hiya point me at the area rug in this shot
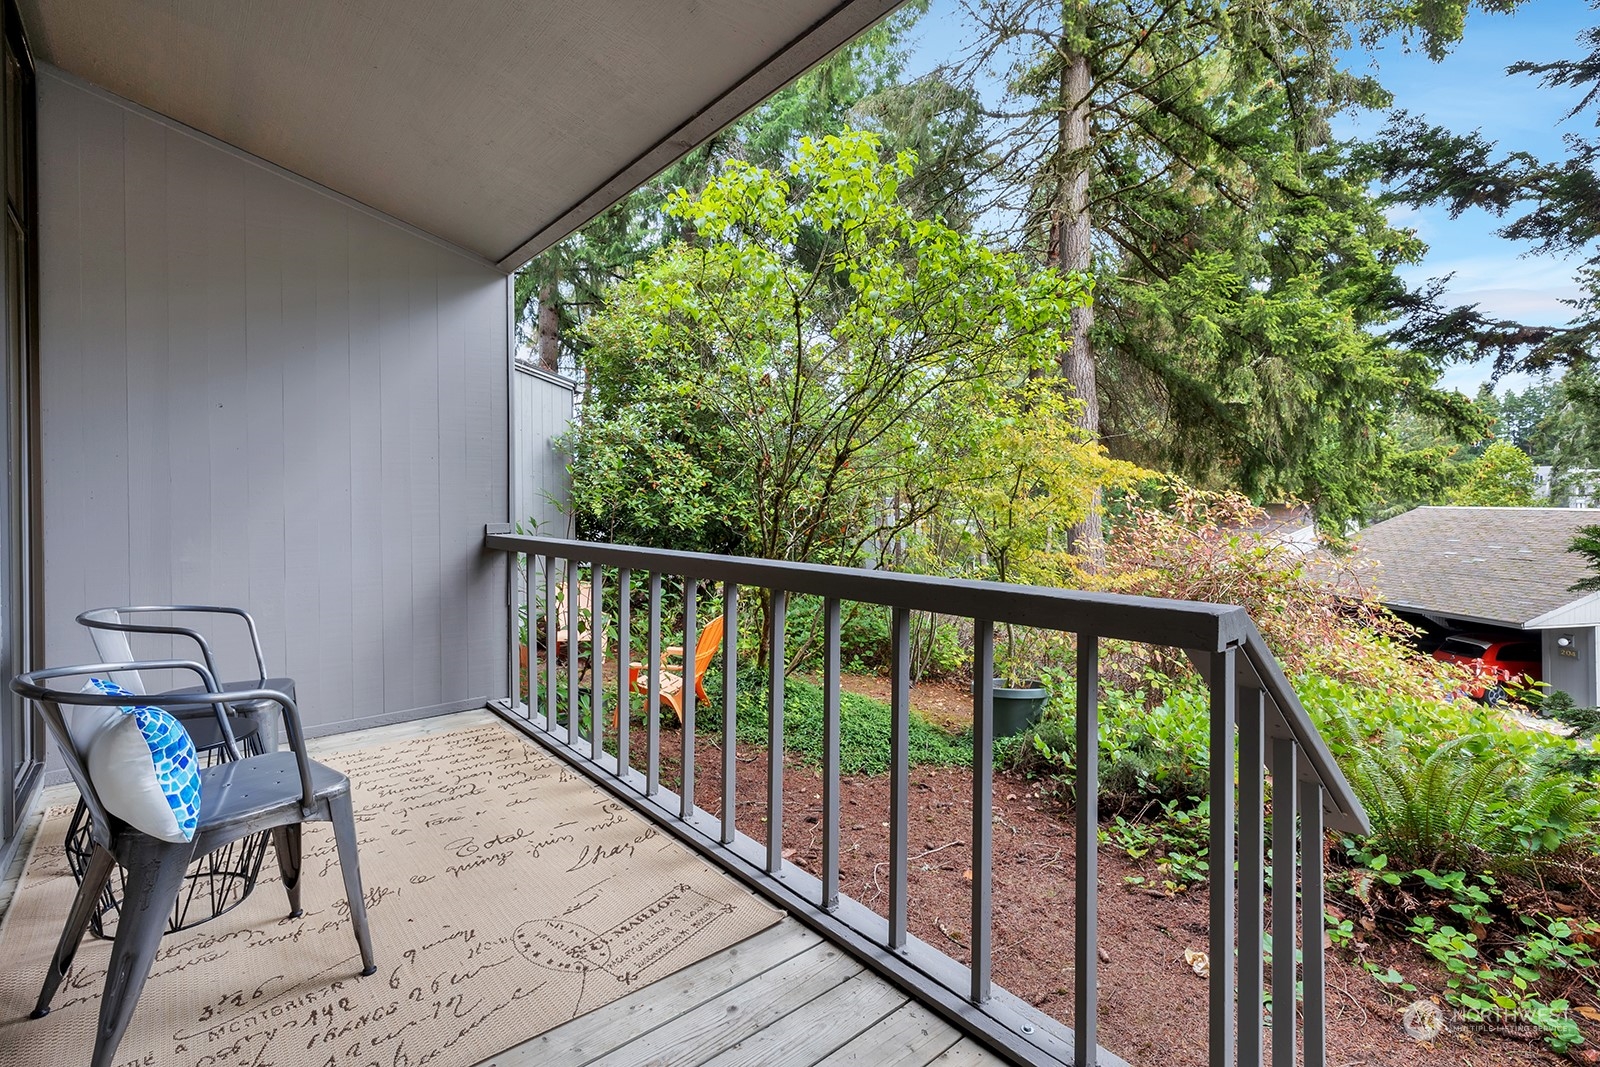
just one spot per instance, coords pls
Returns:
(507, 895)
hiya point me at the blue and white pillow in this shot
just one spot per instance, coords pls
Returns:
(86, 721)
(143, 765)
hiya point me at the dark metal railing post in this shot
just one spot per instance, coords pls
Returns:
(780, 613)
(624, 664)
(691, 594)
(899, 773)
(652, 736)
(1252, 819)
(1086, 971)
(730, 710)
(552, 623)
(516, 572)
(572, 649)
(597, 662)
(1313, 967)
(830, 754)
(1285, 772)
(982, 806)
(1224, 667)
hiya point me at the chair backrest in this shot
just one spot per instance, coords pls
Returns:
(37, 686)
(112, 646)
(110, 627)
(706, 647)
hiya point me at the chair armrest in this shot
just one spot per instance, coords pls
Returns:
(291, 722)
(31, 685)
(673, 650)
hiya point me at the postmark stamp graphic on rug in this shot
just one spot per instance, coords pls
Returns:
(507, 896)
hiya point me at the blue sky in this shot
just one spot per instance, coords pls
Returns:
(1467, 90)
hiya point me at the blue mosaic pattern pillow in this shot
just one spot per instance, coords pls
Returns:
(145, 770)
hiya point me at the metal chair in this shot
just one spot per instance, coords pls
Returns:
(277, 791)
(109, 629)
(224, 878)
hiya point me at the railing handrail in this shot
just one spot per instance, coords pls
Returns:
(1176, 623)
(1183, 624)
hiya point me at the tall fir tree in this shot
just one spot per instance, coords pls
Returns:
(1180, 153)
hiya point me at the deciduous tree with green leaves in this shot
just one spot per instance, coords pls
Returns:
(807, 403)
(1019, 486)
(1501, 478)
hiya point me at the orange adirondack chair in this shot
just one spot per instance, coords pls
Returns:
(671, 674)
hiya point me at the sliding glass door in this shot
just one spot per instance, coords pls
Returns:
(21, 742)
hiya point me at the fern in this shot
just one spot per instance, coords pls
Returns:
(1462, 802)
(1431, 809)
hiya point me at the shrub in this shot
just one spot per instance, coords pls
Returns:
(864, 725)
(1467, 803)
(1315, 620)
(1585, 722)
(864, 645)
(1153, 742)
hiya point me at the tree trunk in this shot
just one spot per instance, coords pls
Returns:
(1070, 251)
(549, 329)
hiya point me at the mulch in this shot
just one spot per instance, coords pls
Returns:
(1152, 1003)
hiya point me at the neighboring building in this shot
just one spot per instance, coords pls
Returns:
(1505, 569)
(1576, 488)
(1542, 476)
(1566, 488)
(1291, 526)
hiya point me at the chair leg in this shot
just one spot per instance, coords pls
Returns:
(286, 843)
(344, 835)
(83, 909)
(155, 874)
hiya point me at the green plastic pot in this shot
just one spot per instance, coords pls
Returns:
(1017, 709)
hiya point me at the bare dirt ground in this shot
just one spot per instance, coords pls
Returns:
(1152, 1004)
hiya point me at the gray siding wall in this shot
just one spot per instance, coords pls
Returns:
(255, 392)
(542, 408)
(1578, 674)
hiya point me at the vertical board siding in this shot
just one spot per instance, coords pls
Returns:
(542, 408)
(254, 393)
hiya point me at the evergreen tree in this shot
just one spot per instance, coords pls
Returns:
(1587, 544)
(1180, 153)
(1554, 206)
(1574, 435)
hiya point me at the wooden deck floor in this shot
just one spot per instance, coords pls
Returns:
(784, 998)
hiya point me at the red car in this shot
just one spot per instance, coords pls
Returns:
(1495, 661)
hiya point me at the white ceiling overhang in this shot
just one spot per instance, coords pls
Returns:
(498, 125)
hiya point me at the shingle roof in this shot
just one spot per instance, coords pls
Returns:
(1508, 565)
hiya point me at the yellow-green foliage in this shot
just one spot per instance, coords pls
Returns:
(1025, 478)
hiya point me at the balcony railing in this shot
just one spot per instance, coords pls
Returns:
(1255, 718)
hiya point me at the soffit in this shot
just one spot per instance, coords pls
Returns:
(497, 125)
